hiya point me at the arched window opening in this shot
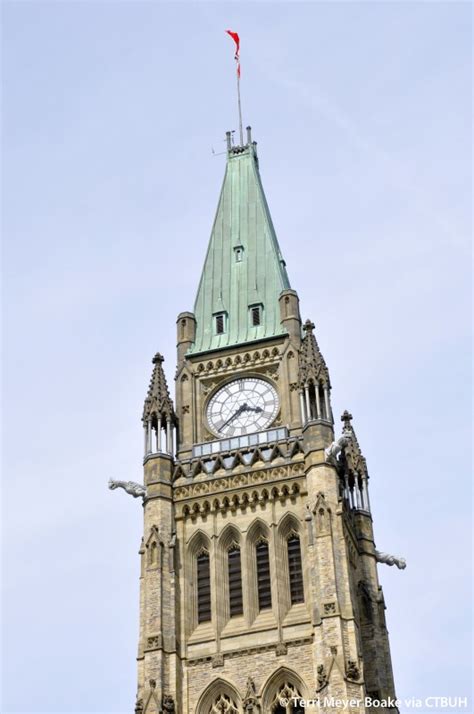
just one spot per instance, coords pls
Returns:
(263, 576)
(235, 582)
(203, 587)
(295, 570)
(313, 410)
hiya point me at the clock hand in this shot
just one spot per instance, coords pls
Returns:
(242, 408)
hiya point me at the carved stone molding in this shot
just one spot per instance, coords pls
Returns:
(246, 478)
(259, 495)
(192, 662)
(237, 362)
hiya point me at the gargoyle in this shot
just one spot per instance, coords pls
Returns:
(134, 489)
(333, 451)
(390, 560)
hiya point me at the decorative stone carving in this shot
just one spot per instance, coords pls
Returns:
(207, 388)
(139, 706)
(154, 642)
(134, 489)
(224, 705)
(218, 660)
(281, 649)
(390, 560)
(152, 683)
(239, 360)
(329, 608)
(322, 677)
(168, 704)
(251, 690)
(250, 701)
(352, 670)
(228, 482)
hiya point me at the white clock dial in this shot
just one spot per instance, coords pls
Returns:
(242, 407)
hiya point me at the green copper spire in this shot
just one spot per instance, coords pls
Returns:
(244, 271)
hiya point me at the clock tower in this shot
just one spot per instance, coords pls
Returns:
(258, 578)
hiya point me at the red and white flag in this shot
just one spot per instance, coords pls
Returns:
(236, 39)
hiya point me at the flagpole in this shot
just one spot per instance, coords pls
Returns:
(241, 131)
(236, 38)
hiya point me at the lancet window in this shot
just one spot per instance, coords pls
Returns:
(203, 587)
(263, 575)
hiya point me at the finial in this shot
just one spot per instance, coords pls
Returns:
(228, 139)
(249, 135)
(346, 418)
(158, 358)
(308, 326)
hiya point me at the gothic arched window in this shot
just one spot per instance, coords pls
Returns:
(203, 587)
(263, 575)
(235, 581)
(295, 570)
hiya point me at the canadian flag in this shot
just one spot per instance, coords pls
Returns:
(236, 39)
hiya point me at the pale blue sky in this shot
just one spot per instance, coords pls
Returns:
(362, 112)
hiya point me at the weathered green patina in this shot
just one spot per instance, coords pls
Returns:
(244, 266)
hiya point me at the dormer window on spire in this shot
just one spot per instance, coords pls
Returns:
(256, 315)
(220, 323)
(239, 253)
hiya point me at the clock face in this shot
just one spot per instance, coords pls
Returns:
(242, 407)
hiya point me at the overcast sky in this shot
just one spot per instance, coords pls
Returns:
(112, 111)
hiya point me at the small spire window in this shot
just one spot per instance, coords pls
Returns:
(255, 313)
(238, 253)
(220, 323)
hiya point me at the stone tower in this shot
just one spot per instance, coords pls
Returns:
(258, 565)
